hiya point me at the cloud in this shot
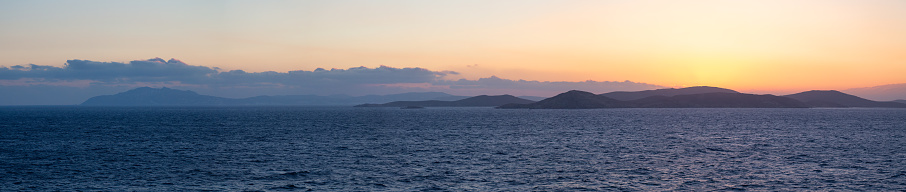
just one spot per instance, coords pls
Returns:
(351, 76)
(158, 70)
(544, 88)
(596, 86)
(118, 76)
(152, 70)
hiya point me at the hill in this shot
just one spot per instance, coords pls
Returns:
(411, 96)
(585, 100)
(629, 96)
(900, 101)
(571, 100)
(146, 96)
(718, 100)
(533, 98)
(833, 98)
(477, 101)
(880, 93)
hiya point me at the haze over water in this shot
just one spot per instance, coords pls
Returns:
(458, 149)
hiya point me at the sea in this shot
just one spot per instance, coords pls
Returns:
(72, 148)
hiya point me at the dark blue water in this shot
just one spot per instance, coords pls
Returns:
(456, 149)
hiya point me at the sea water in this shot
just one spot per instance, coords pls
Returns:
(450, 149)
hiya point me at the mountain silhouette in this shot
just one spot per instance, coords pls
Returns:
(661, 98)
(629, 96)
(831, 98)
(900, 101)
(585, 100)
(533, 98)
(880, 93)
(146, 96)
(571, 100)
(293, 100)
(412, 96)
(477, 101)
(718, 100)
(344, 99)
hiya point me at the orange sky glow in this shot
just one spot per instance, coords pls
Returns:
(761, 46)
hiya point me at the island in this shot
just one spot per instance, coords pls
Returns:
(701, 97)
(689, 97)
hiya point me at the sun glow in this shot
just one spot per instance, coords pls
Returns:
(737, 44)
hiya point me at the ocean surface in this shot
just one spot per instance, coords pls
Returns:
(450, 149)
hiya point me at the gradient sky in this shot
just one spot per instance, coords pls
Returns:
(762, 46)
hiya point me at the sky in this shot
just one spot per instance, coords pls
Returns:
(462, 47)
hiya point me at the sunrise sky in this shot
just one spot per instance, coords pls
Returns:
(759, 45)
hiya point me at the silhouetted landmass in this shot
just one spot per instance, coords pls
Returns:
(446, 98)
(718, 100)
(477, 101)
(880, 93)
(293, 100)
(345, 100)
(585, 100)
(413, 96)
(147, 96)
(839, 99)
(662, 98)
(571, 100)
(533, 98)
(635, 95)
(900, 101)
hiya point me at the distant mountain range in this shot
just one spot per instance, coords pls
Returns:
(146, 96)
(572, 100)
(838, 99)
(719, 100)
(880, 93)
(690, 97)
(477, 101)
(700, 97)
(586, 100)
(629, 96)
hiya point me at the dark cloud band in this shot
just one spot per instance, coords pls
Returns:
(110, 76)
